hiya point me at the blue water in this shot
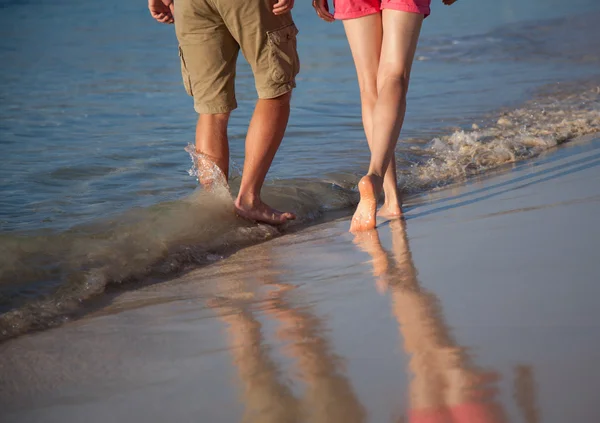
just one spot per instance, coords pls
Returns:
(94, 120)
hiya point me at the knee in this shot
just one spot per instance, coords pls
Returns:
(395, 76)
(214, 118)
(282, 99)
(212, 124)
(368, 94)
(367, 83)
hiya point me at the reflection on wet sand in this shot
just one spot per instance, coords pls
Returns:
(267, 399)
(446, 385)
(329, 396)
(524, 394)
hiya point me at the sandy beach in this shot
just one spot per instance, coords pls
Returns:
(129, 292)
(480, 307)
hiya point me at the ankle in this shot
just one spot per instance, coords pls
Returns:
(375, 177)
(392, 198)
(377, 181)
(391, 205)
(247, 200)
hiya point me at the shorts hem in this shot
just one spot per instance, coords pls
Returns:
(425, 11)
(356, 13)
(214, 110)
(284, 89)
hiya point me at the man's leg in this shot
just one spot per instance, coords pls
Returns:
(212, 144)
(208, 54)
(401, 34)
(365, 36)
(268, 43)
(264, 137)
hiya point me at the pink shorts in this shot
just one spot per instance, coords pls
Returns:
(350, 9)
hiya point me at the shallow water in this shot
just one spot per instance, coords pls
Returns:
(94, 121)
(480, 307)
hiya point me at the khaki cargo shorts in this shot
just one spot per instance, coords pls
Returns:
(210, 35)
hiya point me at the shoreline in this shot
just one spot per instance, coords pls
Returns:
(492, 276)
(90, 298)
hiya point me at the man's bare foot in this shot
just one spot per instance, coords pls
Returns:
(390, 211)
(364, 216)
(258, 211)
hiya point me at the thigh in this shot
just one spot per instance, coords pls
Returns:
(364, 37)
(208, 55)
(401, 34)
(268, 43)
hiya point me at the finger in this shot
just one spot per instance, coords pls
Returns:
(325, 18)
(280, 4)
(323, 12)
(325, 15)
(282, 10)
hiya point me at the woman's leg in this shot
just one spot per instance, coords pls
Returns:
(400, 36)
(365, 36)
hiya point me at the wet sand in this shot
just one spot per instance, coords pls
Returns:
(480, 307)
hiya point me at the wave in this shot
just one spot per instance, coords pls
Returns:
(47, 276)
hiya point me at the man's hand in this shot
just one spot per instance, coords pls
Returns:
(322, 9)
(448, 2)
(283, 6)
(162, 10)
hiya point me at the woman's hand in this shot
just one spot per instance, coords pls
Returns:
(322, 9)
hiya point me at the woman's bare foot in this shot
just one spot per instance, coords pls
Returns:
(259, 212)
(390, 211)
(364, 217)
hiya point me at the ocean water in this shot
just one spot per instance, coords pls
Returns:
(95, 181)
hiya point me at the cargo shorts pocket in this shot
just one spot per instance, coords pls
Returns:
(187, 80)
(284, 63)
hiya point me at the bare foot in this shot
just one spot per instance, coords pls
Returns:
(260, 212)
(364, 216)
(390, 211)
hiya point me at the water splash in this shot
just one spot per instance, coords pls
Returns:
(46, 276)
(550, 120)
(207, 173)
